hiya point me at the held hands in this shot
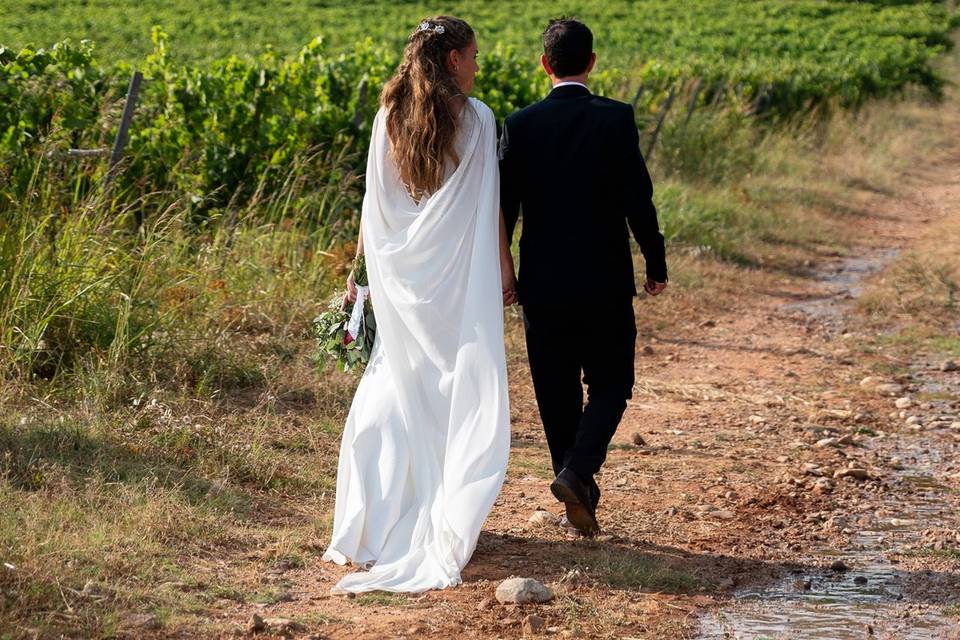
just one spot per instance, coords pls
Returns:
(653, 287)
(508, 283)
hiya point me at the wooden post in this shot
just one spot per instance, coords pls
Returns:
(361, 103)
(132, 91)
(697, 88)
(663, 116)
(637, 95)
(719, 90)
(758, 99)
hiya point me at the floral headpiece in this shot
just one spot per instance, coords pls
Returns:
(426, 26)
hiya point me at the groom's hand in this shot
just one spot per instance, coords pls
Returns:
(653, 287)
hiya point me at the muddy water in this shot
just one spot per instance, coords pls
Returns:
(841, 284)
(871, 599)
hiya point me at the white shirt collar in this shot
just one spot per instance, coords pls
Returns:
(569, 82)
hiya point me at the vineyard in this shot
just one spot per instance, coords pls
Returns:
(217, 129)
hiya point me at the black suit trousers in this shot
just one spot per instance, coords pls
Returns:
(565, 343)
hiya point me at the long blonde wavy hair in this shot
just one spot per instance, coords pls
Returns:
(421, 122)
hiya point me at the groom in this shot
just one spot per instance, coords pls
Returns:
(572, 164)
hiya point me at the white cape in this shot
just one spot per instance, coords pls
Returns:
(425, 447)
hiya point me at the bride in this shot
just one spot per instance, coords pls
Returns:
(425, 446)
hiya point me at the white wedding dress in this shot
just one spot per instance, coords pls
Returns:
(425, 447)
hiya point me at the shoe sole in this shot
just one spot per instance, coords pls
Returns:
(578, 514)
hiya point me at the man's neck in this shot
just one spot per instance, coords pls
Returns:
(581, 79)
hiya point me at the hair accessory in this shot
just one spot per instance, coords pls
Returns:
(426, 26)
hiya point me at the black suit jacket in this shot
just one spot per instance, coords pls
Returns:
(572, 163)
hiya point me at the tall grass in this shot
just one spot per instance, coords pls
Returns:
(87, 290)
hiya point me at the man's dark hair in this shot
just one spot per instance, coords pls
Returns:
(567, 43)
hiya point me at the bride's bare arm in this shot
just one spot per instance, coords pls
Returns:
(351, 282)
(508, 278)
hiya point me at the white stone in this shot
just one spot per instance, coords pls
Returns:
(522, 591)
(903, 403)
(544, 518)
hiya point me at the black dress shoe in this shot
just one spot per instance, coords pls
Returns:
(577, 499)
(594, 494)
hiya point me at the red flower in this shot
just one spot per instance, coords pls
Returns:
(347, 338)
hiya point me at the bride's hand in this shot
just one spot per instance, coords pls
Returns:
(351, 296)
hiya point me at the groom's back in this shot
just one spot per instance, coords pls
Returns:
(570, 163)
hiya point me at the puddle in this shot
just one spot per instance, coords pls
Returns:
(866, 601)
(871, 598)
(842, 282)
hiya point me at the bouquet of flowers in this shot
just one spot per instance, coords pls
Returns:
(347, 336)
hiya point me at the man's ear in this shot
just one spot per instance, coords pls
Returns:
(546, 65)
(593, 61)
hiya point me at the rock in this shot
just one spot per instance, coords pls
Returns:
(949, 365)
(707, 324)
(544, 519)
(93, 589)
(647, 350)
(860, 580)
(283, 626)
(721, 515)
(522, 591)
(255, 624)
(871, 381)
(853, 472)
(846, 440)
(903, 403)
(532, 624)
(822, 486)
(144, 621)
(638, 440)
(827, 442)
(802, 584)
(913, 420)
(620, 482)
(811, 469)
(889, 389)
(838, 565)
(484, 604)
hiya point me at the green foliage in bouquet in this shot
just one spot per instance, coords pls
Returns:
(334, 342)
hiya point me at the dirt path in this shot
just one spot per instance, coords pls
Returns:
(720, 485)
